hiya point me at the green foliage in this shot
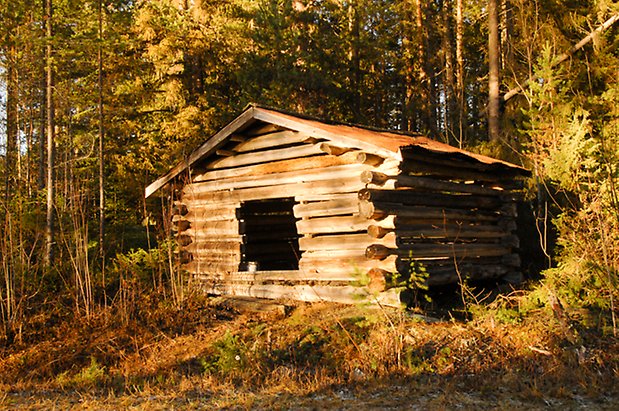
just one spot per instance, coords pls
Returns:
(89, 377)
(228, 355)
(573, 140)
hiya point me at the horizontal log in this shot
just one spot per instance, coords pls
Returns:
(277, 139)
(310, 197)
(316, 293)
(343, 185)
(339, 206)
(215, 245)
(379, 251)
(326, 225)
(459, 161)
(289, 177)
(304, 150)
(291, 276)
(261, 129)
(370, 159)
(229, 262)
(417, 168)
(205, 266)
(381, 280)
(452, 231)
(343, 242)
(215, 227)
(225, 153)
(198, 206)
(238, 138)
(197, 215)
(330, 254)
(404, 181)
(412, 197)
(448, 261)
(377, 211)
(200, 235)
(307, 163)
(354, 265)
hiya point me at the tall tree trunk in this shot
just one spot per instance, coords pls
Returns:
(49, 87)
(448, 72)
(408, 119)
(43, 114)
(354, 60)
(11, 122)
(493, 71)
(460, 71)
(101, 153)
(423, 79)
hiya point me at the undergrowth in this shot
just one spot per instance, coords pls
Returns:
(515, 342)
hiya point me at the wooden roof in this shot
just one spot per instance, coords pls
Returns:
(379, 142)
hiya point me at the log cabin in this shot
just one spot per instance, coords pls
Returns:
(276, 205)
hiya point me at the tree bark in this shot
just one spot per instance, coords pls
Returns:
(493, 71)
(460, 71)
(11, 121)
(49, 86)
(43, 114)
(448, 72)
(101, 143)
(425, 107)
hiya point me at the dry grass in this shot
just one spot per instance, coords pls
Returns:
(315, 356)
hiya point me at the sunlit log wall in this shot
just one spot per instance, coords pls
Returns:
(318, 219)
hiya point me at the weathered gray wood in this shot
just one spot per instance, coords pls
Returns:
(217, 246)
(379, 251)
(329, 254)
(310, 197)
(355, 265)
(326, 225)
(412, 197)
(452, 231)
(369, 159)
(276, 139)
(304, 150)
(343, 185)
(289, 177)
(199, 215)
(404, 181)
(462, 161)
(377, 211)
(262, 128)
(225, 153)
(306, 163)
(347, 205)
(200, 235)
(206, 266)
(344, 242)
(324, 131)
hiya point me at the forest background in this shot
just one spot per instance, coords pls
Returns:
(100, 97)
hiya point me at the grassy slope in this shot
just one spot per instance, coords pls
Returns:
(314, 356)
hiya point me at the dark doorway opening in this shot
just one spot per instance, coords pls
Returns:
(270, 238)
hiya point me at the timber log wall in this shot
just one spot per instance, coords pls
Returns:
(324, 217)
